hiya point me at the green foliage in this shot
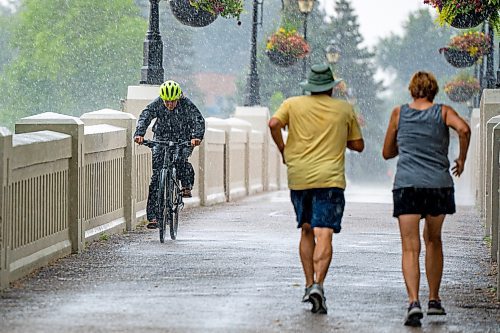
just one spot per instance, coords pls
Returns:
(104, 237)
(416, 50)
(275, 101)
(72, 56)
(224, 8)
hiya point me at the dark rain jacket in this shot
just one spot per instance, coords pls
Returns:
(183, 123)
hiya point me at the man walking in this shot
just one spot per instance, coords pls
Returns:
(320, 128)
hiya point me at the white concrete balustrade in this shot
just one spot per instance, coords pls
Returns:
(66, 180)
(484, 157)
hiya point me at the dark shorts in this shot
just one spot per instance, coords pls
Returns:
(319, 207)
(423, 201)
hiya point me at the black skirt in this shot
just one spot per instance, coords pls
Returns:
(423, 201)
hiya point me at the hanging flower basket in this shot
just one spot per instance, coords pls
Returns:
(285, 47)
(281, 59)
(458, 58)
(465, 14)
(461, 88)
(189, 15)
(469, 20)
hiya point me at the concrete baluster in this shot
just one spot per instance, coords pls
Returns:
(258, 117)
(490, 185)
(490, 107)
(5, 220)
(76, 187)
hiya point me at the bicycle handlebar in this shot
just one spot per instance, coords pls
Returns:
(152, 143)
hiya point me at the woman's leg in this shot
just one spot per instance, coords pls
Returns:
(410, 240)
(433, 254)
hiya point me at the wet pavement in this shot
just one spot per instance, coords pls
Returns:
(235, 268)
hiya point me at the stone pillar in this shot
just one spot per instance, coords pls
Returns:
(490, 185)
(5, 220)
(490, 107)
(76, 180)
(493, 203)
(258, 117)
(127, 121)
(138, 97)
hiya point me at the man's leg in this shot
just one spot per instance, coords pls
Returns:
(186, 175)
(322, 253)
(306, 249)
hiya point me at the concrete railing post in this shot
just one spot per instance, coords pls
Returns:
(127, 121)
(494, 215)
(76, 177)
(490, 107)
(489, 183)
(5, 220)
(258, 117)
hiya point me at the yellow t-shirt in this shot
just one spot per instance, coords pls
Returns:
(319, 127)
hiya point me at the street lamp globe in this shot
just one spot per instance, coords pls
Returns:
(332, 52)
(305, 6)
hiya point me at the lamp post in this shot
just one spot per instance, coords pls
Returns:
(332, 52)
(152, 68)
(305, 7)
(252, 95)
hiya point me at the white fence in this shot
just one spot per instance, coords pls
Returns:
(67, 180)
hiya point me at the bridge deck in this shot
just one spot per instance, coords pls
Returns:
(235, 268)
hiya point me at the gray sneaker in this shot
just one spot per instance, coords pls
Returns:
(306, 298)
(414, 315)
(317, 298)
(435, 308)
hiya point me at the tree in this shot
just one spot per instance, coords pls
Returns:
(72, 56)
(417, 49)
(355, 67)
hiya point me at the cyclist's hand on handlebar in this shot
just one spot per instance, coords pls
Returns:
(195, 142)
(139, 139)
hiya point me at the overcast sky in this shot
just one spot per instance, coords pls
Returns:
(377, 18)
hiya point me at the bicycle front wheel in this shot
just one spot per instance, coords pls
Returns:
(162, 204)
(174, 218)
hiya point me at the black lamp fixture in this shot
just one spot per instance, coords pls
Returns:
(305, 7)
(332, 52)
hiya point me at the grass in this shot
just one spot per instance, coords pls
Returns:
(104, 237)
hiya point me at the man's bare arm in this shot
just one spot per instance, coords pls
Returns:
(356, 145)
(276, 126)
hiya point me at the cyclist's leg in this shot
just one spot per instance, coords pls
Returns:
(185, 173)
(152, 205)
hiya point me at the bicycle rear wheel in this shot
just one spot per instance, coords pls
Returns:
(174, 217)
(162, 205)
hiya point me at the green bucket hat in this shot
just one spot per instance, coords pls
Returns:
(320, 79)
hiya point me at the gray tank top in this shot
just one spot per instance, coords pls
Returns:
(423, 139)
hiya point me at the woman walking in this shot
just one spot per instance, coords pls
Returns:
(423, 187)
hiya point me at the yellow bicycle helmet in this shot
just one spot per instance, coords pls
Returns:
(170, 91)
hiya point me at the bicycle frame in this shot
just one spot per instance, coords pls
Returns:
(169, 191)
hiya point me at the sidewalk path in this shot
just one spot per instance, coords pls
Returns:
(235, 268)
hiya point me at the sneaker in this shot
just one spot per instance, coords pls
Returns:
(434, 308)
(306, 298)
(153, 224)
(186, 193)
(414, 315)
(317, 298)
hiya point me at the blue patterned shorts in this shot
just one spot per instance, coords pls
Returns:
(319, 207)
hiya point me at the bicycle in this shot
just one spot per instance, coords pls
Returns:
(169, 191)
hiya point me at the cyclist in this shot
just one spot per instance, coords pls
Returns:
(178, 120)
